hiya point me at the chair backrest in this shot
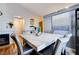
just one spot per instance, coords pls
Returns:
(18, 43)
(57, 44)
(60, 45)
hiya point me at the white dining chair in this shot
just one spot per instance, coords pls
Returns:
(50, 50)
(21, 49)
(65, 41)
(62, 46)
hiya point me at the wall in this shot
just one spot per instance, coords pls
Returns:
(11, 10)
(36, 20)
(19, 24)
(4, 18)
(18, 10)
(47, 24)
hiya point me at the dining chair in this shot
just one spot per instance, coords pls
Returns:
(21, 50)
(57, 48)
(61, 49)
(50, 50)
(64, 42)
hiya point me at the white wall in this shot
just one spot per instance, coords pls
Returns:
(11, 10)
(4, 18)
(47, 24)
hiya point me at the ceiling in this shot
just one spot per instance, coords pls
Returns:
(42, 9)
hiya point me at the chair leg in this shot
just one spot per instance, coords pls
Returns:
(63, 53)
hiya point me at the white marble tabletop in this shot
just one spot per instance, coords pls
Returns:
(40, 42)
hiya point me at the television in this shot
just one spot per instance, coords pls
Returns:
(4, 39)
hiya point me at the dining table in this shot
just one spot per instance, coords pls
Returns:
(42, 41)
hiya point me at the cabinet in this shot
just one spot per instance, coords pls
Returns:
(77, 30)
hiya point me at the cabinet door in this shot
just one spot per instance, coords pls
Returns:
(77, 30)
